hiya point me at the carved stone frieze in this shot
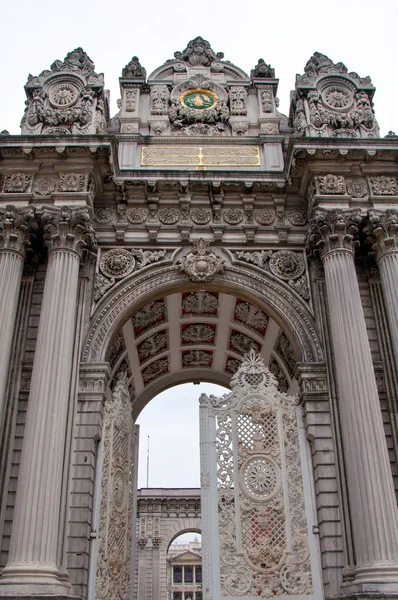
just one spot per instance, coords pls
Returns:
(237, 100)
(357, 188)
(233, 216)
(200, 216)
(384, 186)
(264, 216)
(159, 99)
(17, 183)
(72, 182)
(258, 258)
(331, 184)
(201, 264)
(116, 509)
(137, 216)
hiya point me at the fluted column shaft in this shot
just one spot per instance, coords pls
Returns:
(32, 564)
(369, 479)
(383, 228)
(13, 239)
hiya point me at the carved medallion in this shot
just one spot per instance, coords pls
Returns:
(201, 216)
(198, 99)
(201, 264)
(137, 216)
(233, 216)
(169, 216)
(63, 95)
(117, 263)
(260, 477)
(264, 216)
(286, 264)
(336, 96)
(45, 187)
(103, 215)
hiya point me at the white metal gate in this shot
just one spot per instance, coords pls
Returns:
(257, 499)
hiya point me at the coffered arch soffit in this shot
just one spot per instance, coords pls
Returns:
(164, 329)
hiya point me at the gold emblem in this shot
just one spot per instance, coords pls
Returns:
(198, 99)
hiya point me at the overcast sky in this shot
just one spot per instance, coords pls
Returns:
(284, 33)
(171, 420)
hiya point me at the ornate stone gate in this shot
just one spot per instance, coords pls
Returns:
(159, 246)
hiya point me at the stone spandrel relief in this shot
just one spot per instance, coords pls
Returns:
(67, 99)
(263, 531)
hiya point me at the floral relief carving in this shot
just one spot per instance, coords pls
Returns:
(63, 95)
(118, 263)
(198, 333)
(71, 182)
(258, 258)
(104, 215)
(266, 101)
(17, 182)
(169, 216)
(286, 264)
(45, 187)
(264, 216)
(153, 345)
(233, 216)
(337, 96)
(237, 99)
(155, 369)
(159, 99)
(147, 317)
(137, 216)
(199, 304)
(115, 533)
(357, 188)
(250, 316)
(196, 359)
(232, 365)
(285, 351)
(331, 184)
(242, 343)
(131, 100)
(384, 186)
(201, 216)
(297, 218)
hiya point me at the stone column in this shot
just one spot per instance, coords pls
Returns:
(369, 480)
(13, 241)
(32, 565)
(383, 227)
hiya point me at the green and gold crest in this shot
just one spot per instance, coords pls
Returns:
(198, 99)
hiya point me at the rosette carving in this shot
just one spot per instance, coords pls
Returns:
(286, 264)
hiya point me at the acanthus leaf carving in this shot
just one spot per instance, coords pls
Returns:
(334, 229)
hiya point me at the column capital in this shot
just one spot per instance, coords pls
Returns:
(14, 229)
(68, 229)
(382, 230)
(335, 229)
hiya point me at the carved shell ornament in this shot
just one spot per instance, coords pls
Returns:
(201, 264)
(63, 95)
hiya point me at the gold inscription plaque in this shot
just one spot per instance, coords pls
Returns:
(200, 156)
